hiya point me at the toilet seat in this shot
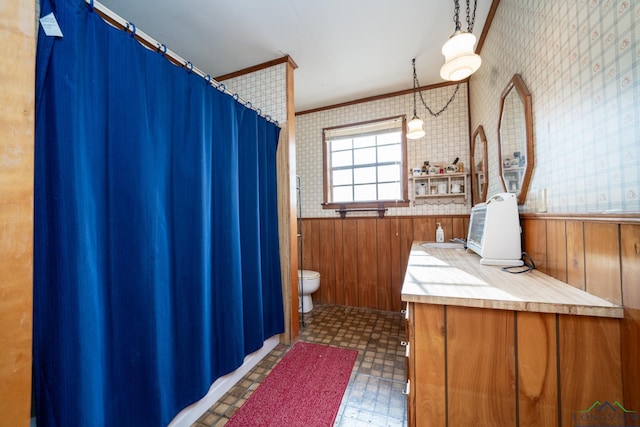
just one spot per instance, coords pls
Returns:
(308, 274)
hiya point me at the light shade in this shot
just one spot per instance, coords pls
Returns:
(460, 60)
(414, 128)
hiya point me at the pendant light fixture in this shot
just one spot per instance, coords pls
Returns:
(414, 127)
(460, 59)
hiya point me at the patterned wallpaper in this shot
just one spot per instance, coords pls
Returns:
(265, 89)
(447, 137)
(579, 60)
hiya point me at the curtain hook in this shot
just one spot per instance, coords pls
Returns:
(189, 66)
(236, 96)
(222, 87)
(249, 105)
(133, 31)
(259, 111)
(208, 79)
(162, 48)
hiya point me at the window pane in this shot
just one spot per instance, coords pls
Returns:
(364, 156)
(341, 144)
(389, 153)
(364, 175)
(389, 173)
(365, 162)
(364, 141)
(342, 194)
(389, 138)
(342, 177)
(390, 191)
(341, 158)
(365, 192)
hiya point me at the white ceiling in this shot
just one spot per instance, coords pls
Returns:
(345, 49)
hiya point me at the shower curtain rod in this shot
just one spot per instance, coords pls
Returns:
(150, 43)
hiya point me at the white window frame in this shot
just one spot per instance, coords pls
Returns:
(372, 127)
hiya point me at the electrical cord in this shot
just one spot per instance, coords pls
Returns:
(527, 267)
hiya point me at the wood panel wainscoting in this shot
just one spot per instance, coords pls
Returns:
(601, 255)
(362, 260)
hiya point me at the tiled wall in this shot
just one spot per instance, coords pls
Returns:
(579, 60)
(265, 89)
(447, 137)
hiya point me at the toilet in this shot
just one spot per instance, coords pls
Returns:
(308, 283)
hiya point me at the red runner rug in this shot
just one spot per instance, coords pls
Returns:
(304, 389)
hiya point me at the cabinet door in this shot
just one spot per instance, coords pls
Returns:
(480, 367)
(428, 358)
(410, 369)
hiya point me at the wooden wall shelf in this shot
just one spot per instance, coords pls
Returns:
(344, 211)
(439, 188)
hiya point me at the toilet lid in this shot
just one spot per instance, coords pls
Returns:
(308, 274)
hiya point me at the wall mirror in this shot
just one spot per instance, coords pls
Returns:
(515, 138)
(479, 175)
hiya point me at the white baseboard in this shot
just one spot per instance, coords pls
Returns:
(191, 413)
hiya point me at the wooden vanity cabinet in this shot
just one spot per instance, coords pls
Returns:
(502, 367)
(482, 361)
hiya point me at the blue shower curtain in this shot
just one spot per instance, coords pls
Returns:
(156, 260)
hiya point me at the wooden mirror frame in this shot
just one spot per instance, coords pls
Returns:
(479, 197)
(525, 96)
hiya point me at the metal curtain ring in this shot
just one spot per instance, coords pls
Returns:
(189, 66)
(133, 31)
(162, 48)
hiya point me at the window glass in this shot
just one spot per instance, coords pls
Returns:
(343, 194)
(364, 192)
(389, 153)
(389, 138)
(388, 190)
(364, 163)
(342, 177)
(342, 158)
(388, 173)
(364, 175)
(364, 156)
(341, 144)
(364, 141)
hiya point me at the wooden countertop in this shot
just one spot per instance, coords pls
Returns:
(449, 275)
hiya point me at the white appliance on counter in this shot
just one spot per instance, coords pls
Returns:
(494, 231)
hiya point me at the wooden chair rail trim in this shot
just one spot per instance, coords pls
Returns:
(622, 218)
(387, 216)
